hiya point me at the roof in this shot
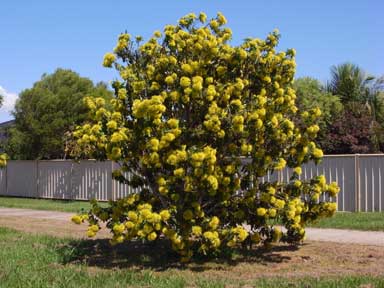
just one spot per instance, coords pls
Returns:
(7, 123)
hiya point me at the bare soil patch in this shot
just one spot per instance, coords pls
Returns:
(53, 227)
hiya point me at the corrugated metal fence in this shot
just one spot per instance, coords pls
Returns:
(360, 177)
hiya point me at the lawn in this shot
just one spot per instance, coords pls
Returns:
(373, 221)
(44, 261)
(45, 204)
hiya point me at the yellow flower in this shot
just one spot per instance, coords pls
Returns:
(261, 211)
(272, 212)
(333, 189)
(129, 224)
(212, 180)
(281, 164)
(297, 183)
(173, 123)
(185, 82)
(90, 233)
(297, 170)
(208, 235)
(76, 219)
(169, 80)
(317, 153)
(196, 230)
(154, 144)
(221, 19)
(118, 228)
(178, 172)
(112, 125)
(187, 69)
(215, 221)
(152, 236)
(242, 54)
(94, 228)
(109, 58)
(172, 160)
(267, 79)
(202, 17)
(313, 129)
(165, 215)
(132, 215)
(317, 112)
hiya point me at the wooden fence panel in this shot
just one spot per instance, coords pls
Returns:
(21, 178)
(360, 177)
(54, 179)
(92, 179)
(371, 174)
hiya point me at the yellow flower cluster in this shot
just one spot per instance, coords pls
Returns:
(3, 160)
(188, 109)
(109, 59)
(122, 43)
(239, 235)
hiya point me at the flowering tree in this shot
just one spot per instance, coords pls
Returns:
(197, 122)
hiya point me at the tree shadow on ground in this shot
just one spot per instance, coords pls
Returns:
(159, 256)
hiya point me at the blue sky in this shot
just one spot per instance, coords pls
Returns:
(39, 36)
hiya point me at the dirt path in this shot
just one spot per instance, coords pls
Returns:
(49, 221)
(44, 222)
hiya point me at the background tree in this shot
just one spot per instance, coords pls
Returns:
(189, 109)
(350, 132)
(361, 94)
(349, 82)
(310, 94)
(46, 111)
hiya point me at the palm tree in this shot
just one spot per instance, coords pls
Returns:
(350, 83)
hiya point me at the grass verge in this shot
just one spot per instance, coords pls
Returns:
(369, 221)
(44, 261)
(45, 204)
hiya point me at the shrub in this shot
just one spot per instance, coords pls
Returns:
(197, 122)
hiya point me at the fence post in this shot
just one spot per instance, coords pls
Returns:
(37, 180)
(70, 187)
(357, 183)
(6, 179)
(113, 183)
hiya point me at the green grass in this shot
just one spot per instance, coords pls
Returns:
(43, 261)
(45, 204)
(373, 221)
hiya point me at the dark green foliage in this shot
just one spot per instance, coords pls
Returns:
(352, 104)
(310, 94)
(45, 112)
